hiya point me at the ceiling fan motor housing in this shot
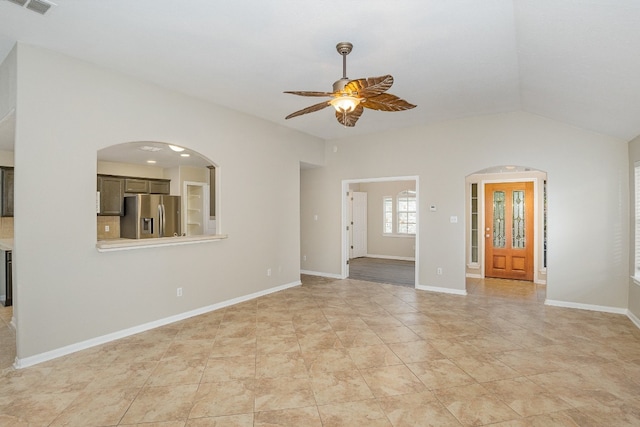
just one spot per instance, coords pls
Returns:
(339, 85)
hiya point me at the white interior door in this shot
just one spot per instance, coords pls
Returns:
(358, 224)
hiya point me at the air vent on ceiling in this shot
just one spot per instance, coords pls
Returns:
(19, 2)
(40, 6)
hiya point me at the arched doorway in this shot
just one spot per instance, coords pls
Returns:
(506, 232)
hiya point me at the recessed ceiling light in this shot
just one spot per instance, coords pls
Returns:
(151, 161)
(176, 148)
(150, 148)
(184, 155)
(510, 167)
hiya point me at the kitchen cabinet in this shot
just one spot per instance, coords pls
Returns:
(157, 186)
(6, 176)
(111, 190)
(136, 185)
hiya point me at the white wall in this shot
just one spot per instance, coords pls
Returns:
(587, 196)
(68, 292)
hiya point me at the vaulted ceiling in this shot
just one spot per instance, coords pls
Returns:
(576, 61)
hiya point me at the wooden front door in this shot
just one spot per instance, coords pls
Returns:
(509, 232)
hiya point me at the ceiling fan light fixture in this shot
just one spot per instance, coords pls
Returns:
(351, 97)
(344, 104)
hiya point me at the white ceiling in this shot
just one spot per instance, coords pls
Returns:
(576, 61)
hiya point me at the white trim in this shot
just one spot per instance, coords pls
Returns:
(591, 307)
(399, 258)
(83, 345)
(636, 280)
(633, 318)
(540, 282)
(404, 235)
(461, 292)
(318, 273)
(474, 276)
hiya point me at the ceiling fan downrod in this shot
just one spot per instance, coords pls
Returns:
(343, 48)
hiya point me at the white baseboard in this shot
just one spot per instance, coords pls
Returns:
(474, 276)
(83, 345)
(399, 258)
(318, 273)
(633, 318)
(462, 292)
(591, 307)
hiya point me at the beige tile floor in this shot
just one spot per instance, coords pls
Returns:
(350, 353)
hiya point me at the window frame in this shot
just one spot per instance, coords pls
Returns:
(387, 202)
(406, 195)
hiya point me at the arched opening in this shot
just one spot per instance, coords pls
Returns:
(506, 226)
(175, 183)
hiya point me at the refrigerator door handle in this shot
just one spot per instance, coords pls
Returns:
(160, 221)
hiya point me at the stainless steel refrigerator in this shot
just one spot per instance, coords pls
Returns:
(150, 215)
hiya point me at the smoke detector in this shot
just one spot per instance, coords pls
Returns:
(39, 6)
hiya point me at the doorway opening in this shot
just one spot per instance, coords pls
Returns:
(380, 229)
(506, 222)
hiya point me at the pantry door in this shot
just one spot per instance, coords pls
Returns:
(509, 233)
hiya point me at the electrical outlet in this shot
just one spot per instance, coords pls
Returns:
(304, 257)
(268, 272)
(106, 228)
(439, 271)
(179, 292)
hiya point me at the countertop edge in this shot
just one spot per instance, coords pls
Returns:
(128, 244)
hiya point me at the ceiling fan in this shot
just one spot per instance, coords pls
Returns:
(351, 97)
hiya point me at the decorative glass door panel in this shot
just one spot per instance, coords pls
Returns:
(509, 230)
(499, 232)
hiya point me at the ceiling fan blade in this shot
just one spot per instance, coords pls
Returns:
(309, 93)
(349, 119)
(386, 102)
(316, 107)
(372, 86)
